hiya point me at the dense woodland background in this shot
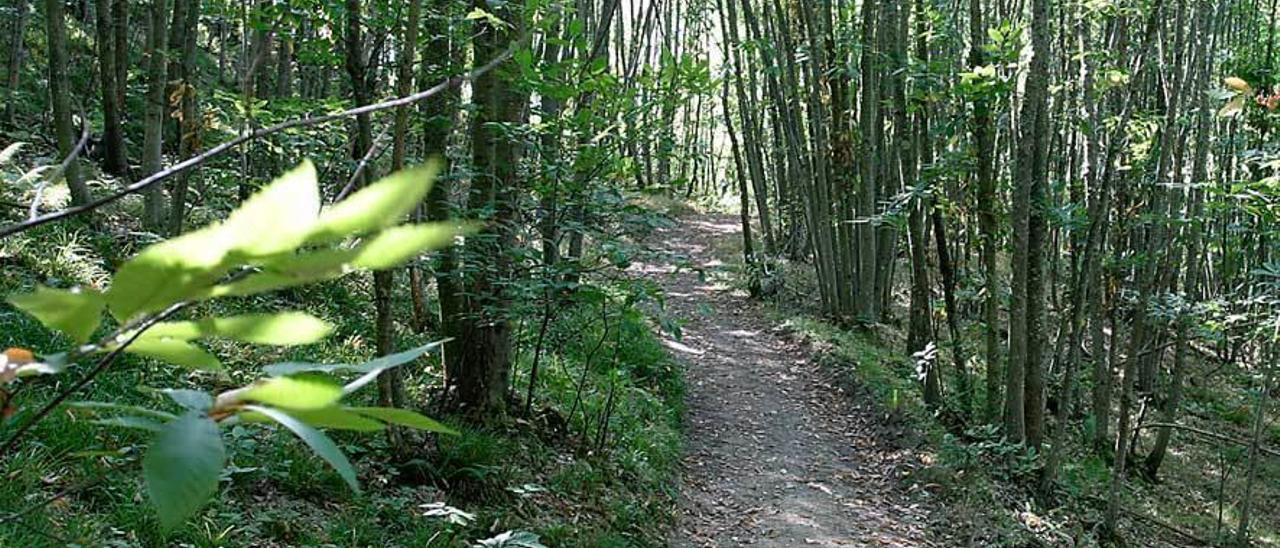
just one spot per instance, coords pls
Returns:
(1042, 235)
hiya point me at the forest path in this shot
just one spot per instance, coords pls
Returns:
(775, 454)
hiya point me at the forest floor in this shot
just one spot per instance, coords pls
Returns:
(776, 453)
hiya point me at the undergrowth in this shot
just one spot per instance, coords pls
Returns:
(554, 473)
(989, 487)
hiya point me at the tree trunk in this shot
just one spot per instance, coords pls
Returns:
(190, 123)
(60, 98)
(114, 158)
(985, 200)
(17, 52)
(484, 368)
(440, 57)
(120, 22)
(154, 116)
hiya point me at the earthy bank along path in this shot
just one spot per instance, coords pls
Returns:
(775, 454)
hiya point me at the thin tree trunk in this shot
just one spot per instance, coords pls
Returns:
(120, 22)
(157, 106)
(17, 53)
(114, 155)
(60, 97)
(190, 122)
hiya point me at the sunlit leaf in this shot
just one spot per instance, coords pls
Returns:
(404, 417)
(182, 467)
(76, 312)
(1236, 83)
(282, 329)
(385, 362)
(279, 217)
(1233, 107)
(512, 539)
(316, 440)
(175, 351)
(479, 14)
(8, 153)
(169, 272)
(337, 418)
(293, 393)
(395, 246)
(274, 221)
(447, 513)
(379, 205)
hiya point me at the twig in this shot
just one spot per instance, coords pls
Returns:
(101, 366)
(1168, 527)
(34, 210)
(194, 161)
(1205, 433)
(375, 151)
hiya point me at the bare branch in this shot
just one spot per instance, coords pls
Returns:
(34, 211)
(194, 161)
(375, 151)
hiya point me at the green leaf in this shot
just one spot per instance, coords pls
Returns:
(387, 249)
(274, 221)
(139, 423)
(385, 362)
(320, 443)
(175, 351)
(122, 408)
(279, 217)
(294, 393)
(264, 282)
(478, 14)
(194, 400)
(76, 312)
(169, 272)
(338, 418)
(395, 246)
(1233, 107)
(182, 468)
(379, 205)
(404, 417)
(282, 329)
(512, 539)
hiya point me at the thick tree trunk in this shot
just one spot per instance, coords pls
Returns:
(484, 368)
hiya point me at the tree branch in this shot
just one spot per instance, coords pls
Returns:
(195, 161)
(101, 366)
(34, 211)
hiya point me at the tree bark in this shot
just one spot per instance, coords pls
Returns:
(13, 64)
(60, 98)
(114, 158)
(484, 367)
(154, 116)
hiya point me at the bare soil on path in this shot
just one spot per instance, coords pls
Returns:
(776, 453)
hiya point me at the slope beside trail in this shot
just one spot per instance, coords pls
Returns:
(775, 455)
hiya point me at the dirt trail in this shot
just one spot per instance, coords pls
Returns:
(775, 455)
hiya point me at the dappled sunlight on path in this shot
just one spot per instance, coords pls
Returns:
(776, 456)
